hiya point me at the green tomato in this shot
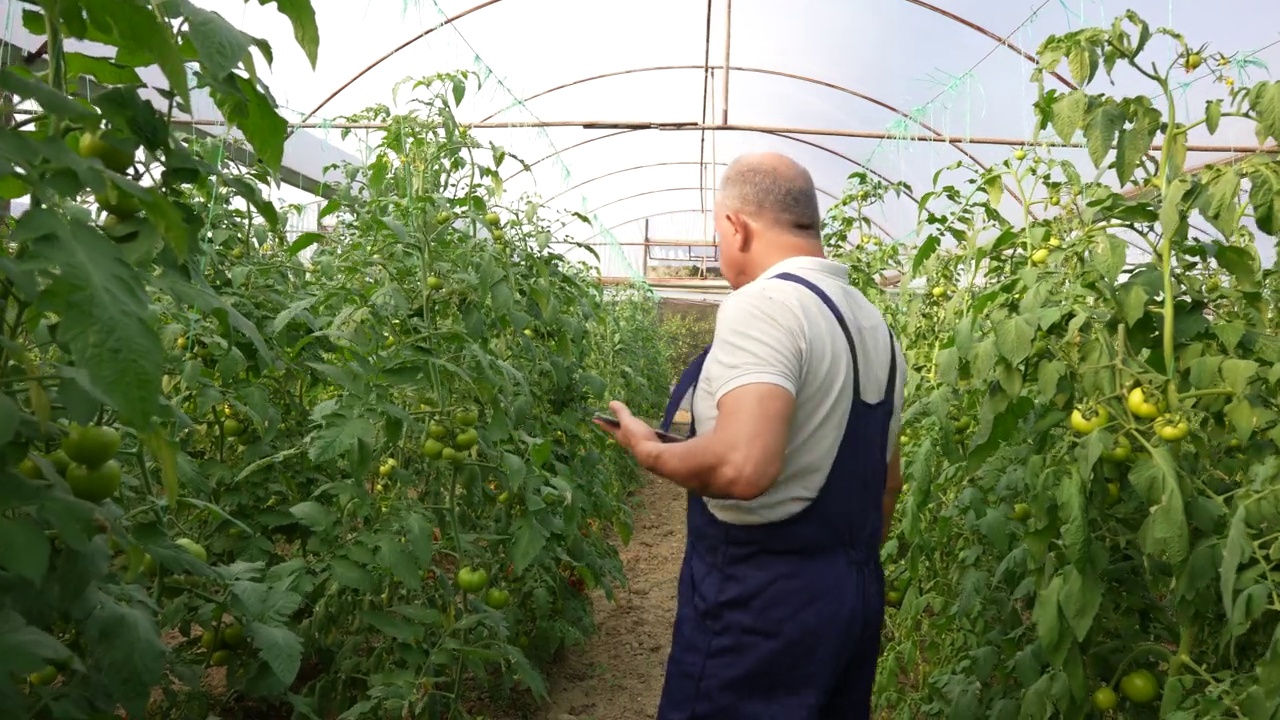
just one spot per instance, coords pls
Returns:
(472, 580)
(437, 431)
(433, 449)
(466, 439)
(1104, 699)
(466, 418)
(96, 484)
(1140, 687)
(92, 445)
(193, 547)
(497, 599)
(434, 283)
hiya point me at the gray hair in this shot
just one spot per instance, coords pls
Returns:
(775, 188)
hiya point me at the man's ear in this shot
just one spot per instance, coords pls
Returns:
(742, 230)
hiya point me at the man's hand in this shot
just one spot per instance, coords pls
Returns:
(632, 433)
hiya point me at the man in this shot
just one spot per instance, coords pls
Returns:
(792, 469)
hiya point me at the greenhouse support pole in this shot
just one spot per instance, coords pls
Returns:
(644, 258)
(728, 35)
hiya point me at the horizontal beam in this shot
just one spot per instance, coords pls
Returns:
(778, 130)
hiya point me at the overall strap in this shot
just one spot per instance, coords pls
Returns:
(891, 387)
(844, 326)
(688, 379)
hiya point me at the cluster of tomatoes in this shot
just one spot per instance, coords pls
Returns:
(464, 437)
(85, 459)
(474, 581)
(222, 642)
(1139, 687)
(1169, 427)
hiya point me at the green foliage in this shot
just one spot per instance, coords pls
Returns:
(266, 403)
(1039, 564)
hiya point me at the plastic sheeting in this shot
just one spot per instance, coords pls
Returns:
(929, 68)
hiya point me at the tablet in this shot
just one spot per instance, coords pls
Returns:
(665, 437)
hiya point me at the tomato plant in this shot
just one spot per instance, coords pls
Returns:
(1103, 534)
(223, 447)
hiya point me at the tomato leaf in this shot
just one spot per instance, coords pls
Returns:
(529, 539)
(1014, 336)
(1235, 549)
(303, 18)
(104, 311)
(1071, 511)
(1068, 114)
(393, 626)
(1242, 265)
(351, 575)
(1081, 598)
(1045, 614)
(279, 646)
(1212, 114)
(1100, 130)
(313, 515)
(24, 549)
(1238, 372)
(1164, 534)
(1133, 302)
(1135, 140)
(1269, 666)
(124, 648)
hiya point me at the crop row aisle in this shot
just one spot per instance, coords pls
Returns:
(333, 459)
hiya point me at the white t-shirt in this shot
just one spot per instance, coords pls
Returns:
(780, 332)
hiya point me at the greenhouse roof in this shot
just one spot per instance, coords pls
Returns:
(629, 112)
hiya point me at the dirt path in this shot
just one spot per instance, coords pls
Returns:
(618, 674)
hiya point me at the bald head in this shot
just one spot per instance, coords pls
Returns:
(774, 190)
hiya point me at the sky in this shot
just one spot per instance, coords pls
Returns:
(890, 52)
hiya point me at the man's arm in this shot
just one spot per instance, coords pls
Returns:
(741, 457)
(892, 487)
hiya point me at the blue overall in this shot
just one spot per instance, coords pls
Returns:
(782, 620)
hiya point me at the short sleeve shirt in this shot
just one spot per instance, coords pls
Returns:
(779, 332)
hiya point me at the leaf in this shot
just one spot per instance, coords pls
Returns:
(1068, 114)
(529, 539)
(1014, 337)
(313, 515)
(1237, 373)
(24, 549)
(1082, 63)
(288, 314)
(104, 311)
(1235, 548)
(339, 436)
(1135, 140)
(1221, 198)
(393, 626)
(1100, 130)
(1164, 534)
(1264, 100)
(303, 17)
(1242, 265)
(994, 185)
(1045, 614)
(1269, 666)
(219, 45)
(1133, 302)
(1203, 371)
(1081, 598)
(279, 646)
(1250, 604)
(254, 114)
(25, 648)
(1075, 523)
(205, 299)
(350, 574)
(126, 652)
(101, 69)
(1240, 413)
(1213, 114)
(144, 39)
(22, 83)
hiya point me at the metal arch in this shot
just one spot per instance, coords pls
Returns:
(654, 165)
(810, 143)
(611, 228)
(487, 3)
(761, 71)
(703, 190)
(999, 40)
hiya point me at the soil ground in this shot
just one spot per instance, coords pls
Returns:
(618, 674)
